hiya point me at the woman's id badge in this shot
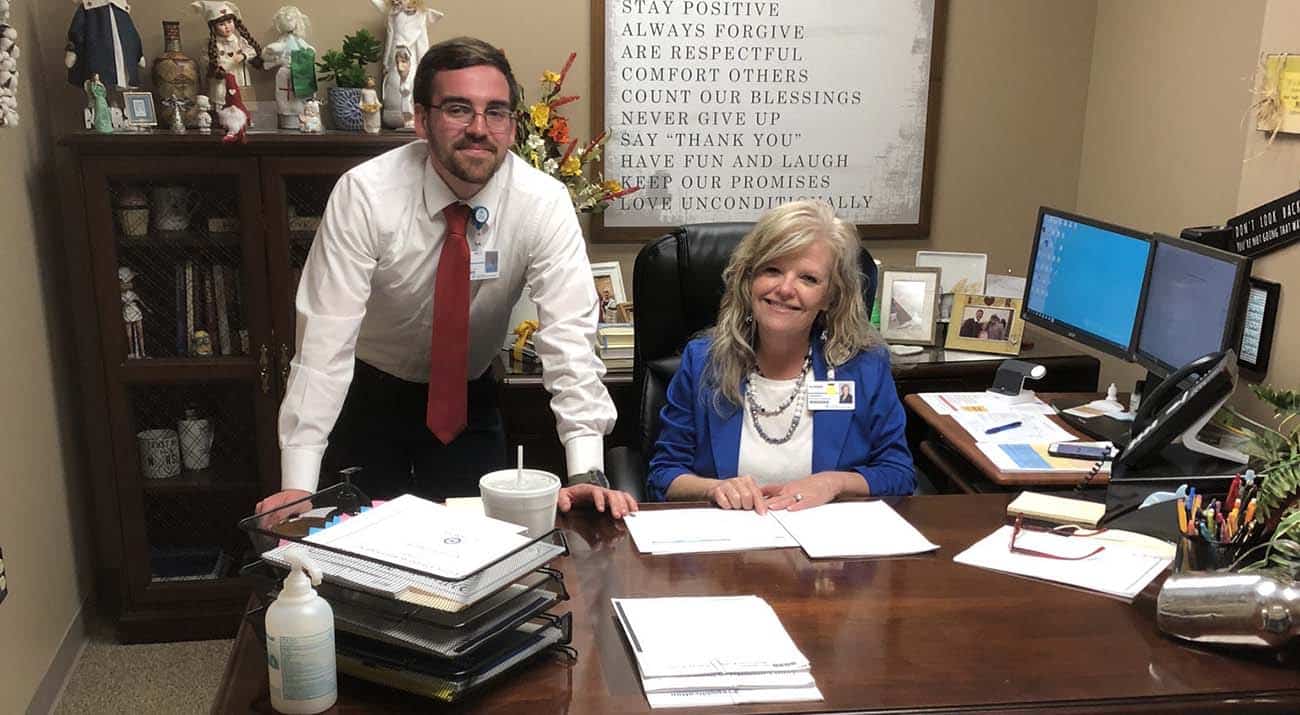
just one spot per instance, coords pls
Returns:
(484, 265)
(831, 395)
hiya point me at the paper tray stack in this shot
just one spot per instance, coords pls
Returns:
(440, 635)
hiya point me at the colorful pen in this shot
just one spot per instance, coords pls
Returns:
(1182, 516)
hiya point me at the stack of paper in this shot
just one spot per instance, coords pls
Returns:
(839, 530)
(997, 427)
(713, 651)
(1117, 570)
(951, 403)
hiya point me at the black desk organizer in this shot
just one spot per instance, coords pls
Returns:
(438, 653)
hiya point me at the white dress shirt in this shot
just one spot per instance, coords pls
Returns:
(776, 463)
(367, 292)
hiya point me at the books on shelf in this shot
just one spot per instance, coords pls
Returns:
(208, 298)
(615, 335)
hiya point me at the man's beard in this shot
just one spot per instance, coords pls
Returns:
(463, 168)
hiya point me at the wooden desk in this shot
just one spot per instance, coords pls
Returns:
(955, 439)
(918, 634)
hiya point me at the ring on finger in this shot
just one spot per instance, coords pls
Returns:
(798, 497)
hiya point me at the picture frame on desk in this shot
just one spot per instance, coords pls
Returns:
(608, 278)
(960, 273)
(985, 324)
(909, 305)
(138, 110)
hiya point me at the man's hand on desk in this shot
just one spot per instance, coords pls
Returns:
(279, 499)
(618, 504)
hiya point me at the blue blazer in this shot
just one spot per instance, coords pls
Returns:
(870, 439)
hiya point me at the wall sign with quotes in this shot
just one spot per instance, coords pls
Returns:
(721, 110)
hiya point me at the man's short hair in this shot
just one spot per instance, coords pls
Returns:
(459, 53)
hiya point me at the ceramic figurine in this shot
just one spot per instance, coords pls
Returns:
(233, 114)
(204, 113)
(408, 26)
(102, 40)
(9, 52)
(231, 47)
(132, 313)
(97, 105)
(370, 107)
(294, 62)
(309, 120)
(176, 106)
(399, 110)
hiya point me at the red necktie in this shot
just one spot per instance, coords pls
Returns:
(449, 359)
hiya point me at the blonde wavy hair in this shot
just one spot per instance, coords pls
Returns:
(784, 230)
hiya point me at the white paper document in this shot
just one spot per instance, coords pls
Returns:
(847, 529)
(1027, 428)
(1021, 457)
(417, 533)
(951, 403)
(725, 650)
(687, 531)
(1116, 570)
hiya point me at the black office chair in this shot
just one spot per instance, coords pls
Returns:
(676, 289)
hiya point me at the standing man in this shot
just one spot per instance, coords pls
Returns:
(407, 292)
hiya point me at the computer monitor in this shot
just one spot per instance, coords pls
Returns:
(1086, 280)
(1193, 304)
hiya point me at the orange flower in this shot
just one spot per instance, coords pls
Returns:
(559, 129)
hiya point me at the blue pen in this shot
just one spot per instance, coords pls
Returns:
(1003, 428)
(1191, 497)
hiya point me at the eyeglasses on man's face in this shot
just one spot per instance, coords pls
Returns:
(1064, 530)
(461, 114)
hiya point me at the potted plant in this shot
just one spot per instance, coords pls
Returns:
(1278, 513)
(347, 69)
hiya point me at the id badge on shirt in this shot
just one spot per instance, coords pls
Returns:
(484, 265)
(831, 395)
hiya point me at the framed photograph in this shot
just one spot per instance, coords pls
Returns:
(1257, 325)
(138, 109)
(608, 277)
(909, 302)
(961, 273)
(985, 324)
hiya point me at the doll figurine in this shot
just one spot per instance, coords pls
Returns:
(102, 40)
(309, 120)
(399, 110)
(9, 53)
(231, 48)
(408, 26)
(234, 115)
(204, 119)
(294, 62)
(97, 105)
(370, 107)
(132, 313)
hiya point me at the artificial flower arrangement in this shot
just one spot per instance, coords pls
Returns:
(542, 139)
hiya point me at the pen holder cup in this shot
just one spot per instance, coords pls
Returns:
(1199, 555)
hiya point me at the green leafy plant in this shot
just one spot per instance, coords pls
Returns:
(347, 68)
(1277, 455)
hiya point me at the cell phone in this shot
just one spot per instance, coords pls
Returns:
(1070, 450)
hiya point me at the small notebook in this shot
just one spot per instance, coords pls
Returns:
(1057, 510)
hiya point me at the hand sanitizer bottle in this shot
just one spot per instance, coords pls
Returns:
(300, 643)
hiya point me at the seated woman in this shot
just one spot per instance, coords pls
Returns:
(737, 428)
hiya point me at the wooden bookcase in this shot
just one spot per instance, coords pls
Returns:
(215, 235)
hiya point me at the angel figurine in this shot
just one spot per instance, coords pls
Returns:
(102, 40)
(231, 47)
(100, 119)
(132, 313)
(408, 26)
(203, 105)
(399, 109)
(309, 119)
(176, 106)
(370, 107)
(293, 60)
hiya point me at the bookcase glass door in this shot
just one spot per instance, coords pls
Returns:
(296, 191)
(180, 275)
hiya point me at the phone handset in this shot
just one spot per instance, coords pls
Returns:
(1159, 398)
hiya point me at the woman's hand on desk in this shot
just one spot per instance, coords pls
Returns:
(618, 504)
(814, 490)
(738, 493)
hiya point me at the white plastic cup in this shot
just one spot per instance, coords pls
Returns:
(529, 503)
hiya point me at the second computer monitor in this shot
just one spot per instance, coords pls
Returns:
(1086, 280)
(1192, 304)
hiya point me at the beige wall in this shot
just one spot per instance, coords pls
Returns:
(43, 518)
(1162, 143)
(1270, 172)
